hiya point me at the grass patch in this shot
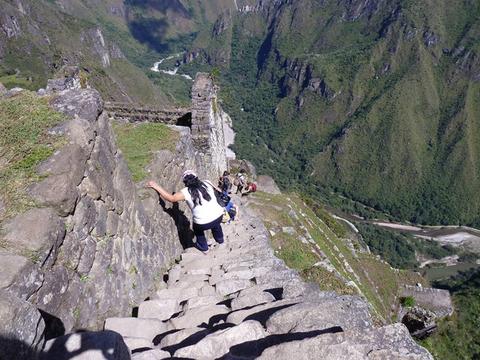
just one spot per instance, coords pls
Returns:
(24, 143)
(327, 281)
(373, 278)
(139, 142)
(408, 301)
(295, 254)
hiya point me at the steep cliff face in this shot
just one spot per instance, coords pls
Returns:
(93, 244)
(93, 247)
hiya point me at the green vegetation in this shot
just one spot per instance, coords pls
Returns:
(24, 143)
(408, 301)
(325, 252)
(459, 336)
(400, 249)
(177, 88)
(139, 142)
(394, 125)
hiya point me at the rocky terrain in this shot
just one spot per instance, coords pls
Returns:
(239, 301)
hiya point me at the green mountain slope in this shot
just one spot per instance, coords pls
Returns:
(377, 100)
(39, 37)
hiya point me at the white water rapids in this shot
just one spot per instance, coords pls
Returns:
(173, 72)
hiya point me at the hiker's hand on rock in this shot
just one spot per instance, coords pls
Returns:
(151, 184)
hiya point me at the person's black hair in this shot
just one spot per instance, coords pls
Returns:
(225, 173)
(195, 188)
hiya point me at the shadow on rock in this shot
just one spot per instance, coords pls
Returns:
(195, 338)
(185, 233)
(253, 349)
(105, 345)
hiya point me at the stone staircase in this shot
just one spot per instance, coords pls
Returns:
(239, 301)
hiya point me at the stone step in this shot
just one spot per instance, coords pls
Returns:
(136, 327)
(228, 287)
(178, 336)
(177, 293)
(201, 301)
(207, 290)
(207, 315)
(259, 312)
(388, 342)
(253, 298)
(219, 343)
(187, 283)
(154, 354)
(161, 309)
(135, 343)
(348, 312)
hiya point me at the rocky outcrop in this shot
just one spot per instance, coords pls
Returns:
(420, 322)
(267, 184)
(105, 51)
(299, 76)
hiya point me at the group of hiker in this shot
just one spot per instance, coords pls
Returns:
(210, 205)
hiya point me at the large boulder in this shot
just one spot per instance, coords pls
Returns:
(420, 322)
(86, 104)
(38, 232)
(267, 184)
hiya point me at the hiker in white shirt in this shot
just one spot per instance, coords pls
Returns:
(200, 197)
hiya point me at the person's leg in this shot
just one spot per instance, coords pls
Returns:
(217, 230)
(201, 239)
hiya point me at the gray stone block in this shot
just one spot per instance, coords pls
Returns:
(21, 328)
(219, 343)
(11, 265)
(161, 309)
(198, 316)
(136, 327)
(38, 231)
(254, 298)
(179, 293)
(154, 354)
(134, 343)
(227, 287)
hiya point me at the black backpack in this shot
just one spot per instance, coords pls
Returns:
(226, 184)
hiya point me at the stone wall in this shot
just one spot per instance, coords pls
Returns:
(436, 300)
(207, 128)
(95, 245)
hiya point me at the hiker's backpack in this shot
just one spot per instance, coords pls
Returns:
(253, 187)
(226, 184)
